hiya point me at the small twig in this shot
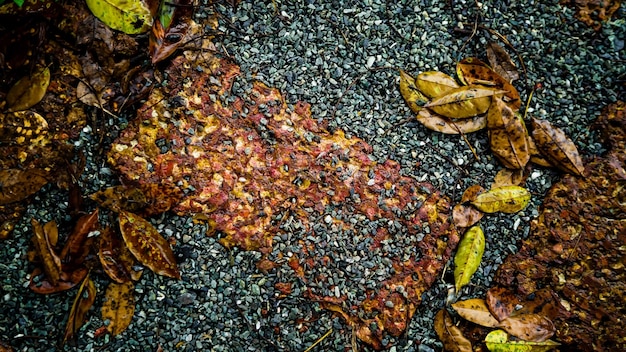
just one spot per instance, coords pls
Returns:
(466, 140)
(319, 340)
(471, 35)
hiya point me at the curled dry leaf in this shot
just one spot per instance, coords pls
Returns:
(445, 125)
(24, 128)
(434, 84)
(85, 297)
(50, 261)
(465, 216)
(474, 71)
(78, 243)
(449, 334)
(147, 245)
(171, 27)
(29, 90)
(501, 62)
(498, 341)
(554, 144)
(506, 199)
(115, 258)
(463, 102)
(501, 302)
(476, 311)
(118, 306)
(130, 17)
(410, 93)
(68, 279)
(468, 256)
(528, 327)
(507, 135)
(17, 184)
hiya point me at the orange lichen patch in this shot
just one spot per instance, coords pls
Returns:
(244, 162)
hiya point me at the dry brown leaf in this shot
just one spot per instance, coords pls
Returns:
(115, 258)
(147, 245)
(411, 94)
(476, 311)
(463, 102)
(29, 90)
(434, 84)
(529, 327)
(80, 307)
(118, 306)
(501, 302)
(465, 216)
(451, 336)
(118, 198)
(470, 194)
(501, 62)
(474, 71)
(556, 146)
(86, 94)
(445, 125)
(506, 199)
(78, 243)
(507, 135)
(508, 177)
(50, 261)
(40, 284)
(17, 184)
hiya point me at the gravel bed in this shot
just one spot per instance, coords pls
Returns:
(342, 57)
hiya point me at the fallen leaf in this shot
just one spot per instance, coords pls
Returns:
(506, 199)
(445, 125)
(147, 245)
(119, 198)
(128, 16)
(465, 216)
(29, 90)
(528, 327)
(77, 245)
(476, 311)
(508, 177)
(501, 302)
(5, 347)
(118, 306)
(40, 284)
(17, 184)
(50, 261)
(410, 93)
(556, 146)
(87, 95)
(463, 102)
(451, 336)
(117, 261)
(434, 84)
(507, 135)
(24, 128)
(473, 71)
(468, 256)
(501, 62)
(498, 341)
(85, 297)
(470, 194)
(170, 29)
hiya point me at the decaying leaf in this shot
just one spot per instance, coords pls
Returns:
(463, 102)
(501, 302)
(115, 258)
(118, 306)
(474, 71)
(23, 128)
(508, 177)
(40, 284)
(465, 216)
(507, 135)
(410, 93)
(128, 16)
(528, 327)
(17, 184)
(85, 297)
(501, 62)
(468, 256)
(171, 28)
(50, 261)
(77, 245)
(506, 199)
(434, 84)
(147, 245)
(451, 336)
(476, 311)
(29, 90)
(498, 341)
(445, 125)
(146, 199)
(556, 146)
(470, 194)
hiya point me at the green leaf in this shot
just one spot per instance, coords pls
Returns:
(498, 341)
(128, 16)
(506, 199)
(468, 256)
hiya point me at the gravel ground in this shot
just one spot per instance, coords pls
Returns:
(342, 57)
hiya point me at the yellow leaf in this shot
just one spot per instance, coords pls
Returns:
(506, 199)
(554, 144)
(445, 125)
(507, 135)
(128, 16)
(411, 94)
(468, 256)
(17, 184)
(29, 90)
(24, 127)
(463, 102)
(528, 327)
(473, 71)
(476, 311)
(80, 307)
(118, 306)
(50, 260)
(451, 336)
(498, 341)
(147, 245)
(434, 84)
